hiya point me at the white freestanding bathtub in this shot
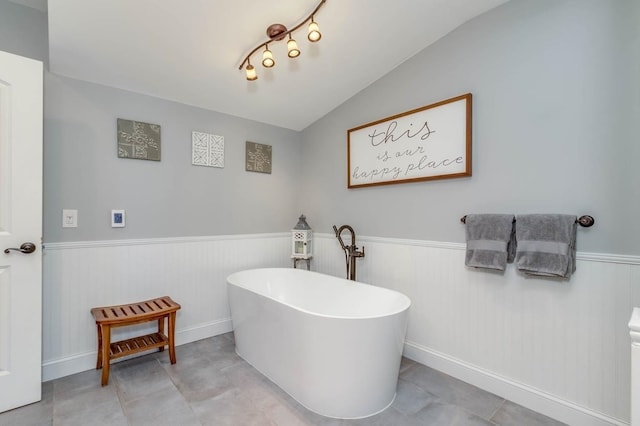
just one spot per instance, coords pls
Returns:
(332, 344)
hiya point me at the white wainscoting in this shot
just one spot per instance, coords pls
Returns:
(559, 347)
(193, 271)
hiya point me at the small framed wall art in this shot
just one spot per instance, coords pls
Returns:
(138, 140)
(258, 157)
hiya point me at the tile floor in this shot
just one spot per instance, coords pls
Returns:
(211, 385)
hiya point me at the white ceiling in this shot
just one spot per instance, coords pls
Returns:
(190, 50)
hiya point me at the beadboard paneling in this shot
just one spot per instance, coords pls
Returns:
(565, 343)
(193, 271)
(559, 347)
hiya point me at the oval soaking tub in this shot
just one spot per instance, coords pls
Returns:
(332, 344)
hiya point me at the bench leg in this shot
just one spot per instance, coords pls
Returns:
(172, 333)
(161, 331)
(106, 343)
(99, 363)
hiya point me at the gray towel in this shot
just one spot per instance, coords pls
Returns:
(490, 241)
(546, 244)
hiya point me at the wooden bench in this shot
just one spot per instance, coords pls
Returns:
(108, 317)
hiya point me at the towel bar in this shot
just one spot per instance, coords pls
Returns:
(585, 221)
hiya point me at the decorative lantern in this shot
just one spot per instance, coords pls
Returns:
(301, 239)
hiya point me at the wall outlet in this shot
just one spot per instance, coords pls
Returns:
(69, 218)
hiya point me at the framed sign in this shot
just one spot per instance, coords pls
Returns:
(432, 142)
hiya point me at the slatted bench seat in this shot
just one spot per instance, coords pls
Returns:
(108, 317)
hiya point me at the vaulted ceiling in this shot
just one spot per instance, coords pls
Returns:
(190, 50)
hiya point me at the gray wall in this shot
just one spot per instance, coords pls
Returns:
(556, 101)
(169, 198)
(24, 31)
(555, 107)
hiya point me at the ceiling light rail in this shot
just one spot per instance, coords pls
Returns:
(277, 32)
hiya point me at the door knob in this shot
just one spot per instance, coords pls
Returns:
(25, 248)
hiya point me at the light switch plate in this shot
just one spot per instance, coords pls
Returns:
(69, 218)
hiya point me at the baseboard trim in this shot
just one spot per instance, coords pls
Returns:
(519, 393)
(61, 367)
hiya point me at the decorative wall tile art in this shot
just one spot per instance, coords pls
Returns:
(258, 157)
(207, 149)
(138, 140)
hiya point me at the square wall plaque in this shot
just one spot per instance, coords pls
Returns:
(207, 150)
(138, 140)
(258, 157)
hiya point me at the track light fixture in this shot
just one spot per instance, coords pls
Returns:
(277, 32)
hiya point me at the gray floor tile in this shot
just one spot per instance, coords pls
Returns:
(211, 385)
(223, 343)
(92, 406)
(285, 415)
(410, 398)
(445, 414)
(183, 352)
(511, 414)
(231, 408)
(163, 407)
(47, 390)
(288, 411)
(389, 417)
(36, 414)
(136, 378)
(453, 391)
(223, 358)
(197, 380)
(406, 363)
(261, 391)
(77, 384)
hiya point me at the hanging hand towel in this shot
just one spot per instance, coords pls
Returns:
(546, 244)
(490, 241)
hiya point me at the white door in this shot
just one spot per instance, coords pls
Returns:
(21, 81)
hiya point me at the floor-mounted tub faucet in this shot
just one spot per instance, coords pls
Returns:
(351, 251)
